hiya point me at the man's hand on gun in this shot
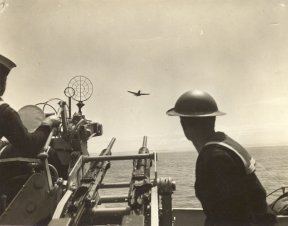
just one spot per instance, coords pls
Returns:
(51, 121)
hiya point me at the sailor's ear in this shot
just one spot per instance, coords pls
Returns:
(185, 126)
(184, 122)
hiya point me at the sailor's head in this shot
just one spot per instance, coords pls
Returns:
(197, 111)
(5, 67)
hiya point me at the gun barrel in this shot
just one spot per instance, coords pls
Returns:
(63, 117)
(145, 142)
(107, 151)
(110, 145)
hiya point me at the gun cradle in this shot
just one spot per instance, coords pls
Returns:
(46, 198)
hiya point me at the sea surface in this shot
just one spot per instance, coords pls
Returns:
(271, 169)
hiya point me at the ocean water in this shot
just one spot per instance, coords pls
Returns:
(271, 169)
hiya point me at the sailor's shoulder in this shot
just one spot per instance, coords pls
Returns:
(215, 153)
(217, 160)
(3, 104)
(219, 152)
(6, 109)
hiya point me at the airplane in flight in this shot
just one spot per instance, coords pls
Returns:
(137, 94)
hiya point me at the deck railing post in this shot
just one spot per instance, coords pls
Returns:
(166, 187)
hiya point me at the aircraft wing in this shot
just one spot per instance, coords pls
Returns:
(132, 92)
(144, 93)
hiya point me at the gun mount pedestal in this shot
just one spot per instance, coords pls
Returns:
(24, 207)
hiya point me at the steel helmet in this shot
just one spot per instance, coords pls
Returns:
(195, 103)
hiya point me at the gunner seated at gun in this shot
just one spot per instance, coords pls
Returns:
(22, 143)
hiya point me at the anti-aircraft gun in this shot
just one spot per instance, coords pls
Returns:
(62, 185)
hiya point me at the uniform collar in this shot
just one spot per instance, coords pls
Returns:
(218, 136)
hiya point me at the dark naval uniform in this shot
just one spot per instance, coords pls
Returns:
(227, 187)
(23, 143)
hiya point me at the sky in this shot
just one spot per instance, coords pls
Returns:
(235, 50)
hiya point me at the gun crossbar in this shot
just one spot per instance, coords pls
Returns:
(115, 185)
(117, 157)
(113, 199)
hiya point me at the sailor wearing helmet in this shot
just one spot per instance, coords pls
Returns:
(22, 142)
(226, 183)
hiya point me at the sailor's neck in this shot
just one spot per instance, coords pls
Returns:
(202, 139)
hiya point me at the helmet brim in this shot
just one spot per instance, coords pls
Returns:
(173, 112)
